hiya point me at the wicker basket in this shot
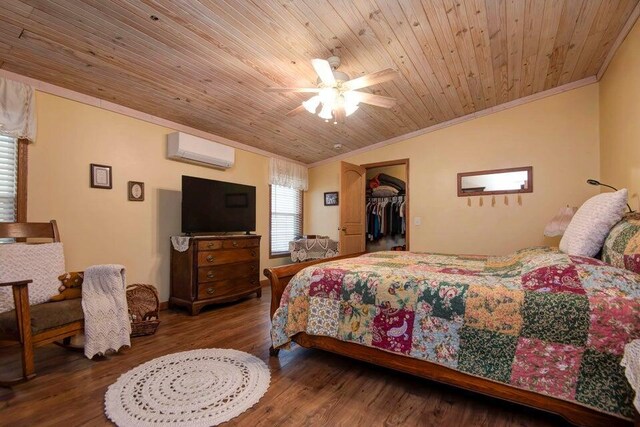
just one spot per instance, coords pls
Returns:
(143, 305)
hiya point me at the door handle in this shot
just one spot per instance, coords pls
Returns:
(342, 229)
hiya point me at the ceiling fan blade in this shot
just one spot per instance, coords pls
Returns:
(377, 100)
(299, 109)
(371, 79)
(323, 69)
(339, 114)
(293, 89)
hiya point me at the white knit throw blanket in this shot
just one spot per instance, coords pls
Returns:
(106, 317)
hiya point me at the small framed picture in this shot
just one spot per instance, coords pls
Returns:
(101, 176)
(135, 191)
(331, 198)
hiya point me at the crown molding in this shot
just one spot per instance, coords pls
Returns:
(130, 112)
(507, 105)
(621, 36)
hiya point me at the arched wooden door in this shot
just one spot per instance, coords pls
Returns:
(353, 179)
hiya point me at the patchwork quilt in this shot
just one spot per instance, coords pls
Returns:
(536, 319)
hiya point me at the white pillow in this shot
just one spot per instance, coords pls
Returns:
(590, 226)
(42, 263)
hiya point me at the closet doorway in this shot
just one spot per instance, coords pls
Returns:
(387, 219)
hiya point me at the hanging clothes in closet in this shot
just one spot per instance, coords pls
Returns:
(385, 216)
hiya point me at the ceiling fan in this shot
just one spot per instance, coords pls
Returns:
(337, 94)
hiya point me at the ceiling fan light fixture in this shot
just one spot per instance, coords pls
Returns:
(311, 104)
(325, 113)
(328, 95)
(350, 103)
(337, 93)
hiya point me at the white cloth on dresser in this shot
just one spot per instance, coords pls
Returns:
(180, 243)
(631, 362)
(106, 315)
(316, 248)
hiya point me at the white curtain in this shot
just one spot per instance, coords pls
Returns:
(17, 110)
(288, 174)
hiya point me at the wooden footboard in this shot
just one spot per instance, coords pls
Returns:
(574, 413)
(279, 277)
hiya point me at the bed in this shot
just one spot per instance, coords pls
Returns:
(536, 327)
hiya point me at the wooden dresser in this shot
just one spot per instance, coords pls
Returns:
(215, 269)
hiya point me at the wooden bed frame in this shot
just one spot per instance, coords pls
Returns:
(577, 414)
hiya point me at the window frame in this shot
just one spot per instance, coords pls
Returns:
(21, 165)
(21, 191)
(273, 255)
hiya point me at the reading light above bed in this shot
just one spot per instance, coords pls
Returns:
(594, 182)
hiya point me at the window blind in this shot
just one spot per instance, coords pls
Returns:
(8, 178)
(286, 217)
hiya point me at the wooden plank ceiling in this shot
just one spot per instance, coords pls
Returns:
(205, 63)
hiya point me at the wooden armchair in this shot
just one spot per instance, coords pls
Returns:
(37, 325)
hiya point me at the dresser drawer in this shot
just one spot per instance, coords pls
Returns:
(229, 271)
(223, 288)
(209, 245)
(240, 243)
(206, 258)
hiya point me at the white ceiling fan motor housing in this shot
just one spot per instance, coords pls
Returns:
(334, 62)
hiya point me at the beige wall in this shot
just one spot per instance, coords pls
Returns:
(557, 135)
(101, 226)
(620, 119)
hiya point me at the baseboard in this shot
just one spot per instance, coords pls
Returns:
(164, 305)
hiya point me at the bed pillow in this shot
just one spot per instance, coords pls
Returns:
(591, 224)
(42, 263)
(622, 247)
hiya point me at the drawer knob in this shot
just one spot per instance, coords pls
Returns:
(210, 258)
(234, 243)
(210, 245)
(253, 268)
(210, 274)
(210, 291)
(253, 252)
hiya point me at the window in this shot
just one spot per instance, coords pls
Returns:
(8, 179)
(286, 218)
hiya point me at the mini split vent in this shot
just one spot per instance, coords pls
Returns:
(189, 148)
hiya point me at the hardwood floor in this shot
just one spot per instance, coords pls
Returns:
(308, 387)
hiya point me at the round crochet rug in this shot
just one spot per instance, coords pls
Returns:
(195, 388)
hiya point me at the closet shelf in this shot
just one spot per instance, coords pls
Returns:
(400, 196)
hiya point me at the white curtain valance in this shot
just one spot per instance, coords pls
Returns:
(17, 110)
(288, 174)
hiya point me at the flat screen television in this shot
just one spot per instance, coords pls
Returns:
(215, 206)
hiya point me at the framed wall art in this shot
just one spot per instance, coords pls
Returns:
(331, 198)
(101, 176)
(135, 191)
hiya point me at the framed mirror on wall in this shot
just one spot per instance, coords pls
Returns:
(496, 181)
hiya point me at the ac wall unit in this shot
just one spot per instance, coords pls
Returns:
(185, 147)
